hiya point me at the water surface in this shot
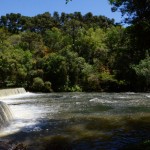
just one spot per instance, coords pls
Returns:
(81, 120)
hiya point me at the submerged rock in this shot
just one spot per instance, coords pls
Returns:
(8, 145)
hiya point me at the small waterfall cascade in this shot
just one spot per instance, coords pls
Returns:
(5, 114)
(13, 91)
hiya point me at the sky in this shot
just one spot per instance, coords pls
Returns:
(35, 7)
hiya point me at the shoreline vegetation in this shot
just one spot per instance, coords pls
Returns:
(75, 52)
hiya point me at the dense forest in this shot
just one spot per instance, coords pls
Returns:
(75, 52)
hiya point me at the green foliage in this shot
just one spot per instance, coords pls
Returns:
(33, 42)
(106, 76)
(134, 10)
(11, 21)
(75, 88)
(14, 64)
(143, 70)
(91, 45)
(38, 84)
(75, 52)
(48, 87)
(115, 38)
(68, 1)
(93, 83)
(55, 71)
(136, 13)
(54, 39)
(4, 35)
(75, 65)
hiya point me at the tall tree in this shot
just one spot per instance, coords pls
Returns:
(11, 22)
(136, 13)
(135, 10)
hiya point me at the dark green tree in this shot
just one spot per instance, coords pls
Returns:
(55, 71)
(11, 22)
(143, 72)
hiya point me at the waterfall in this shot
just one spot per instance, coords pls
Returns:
(5, 114)
(13, 91)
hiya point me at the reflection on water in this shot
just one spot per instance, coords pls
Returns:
(81, 120)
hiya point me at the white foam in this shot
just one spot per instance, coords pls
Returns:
(76, 96)
(130, 93)
(95, 100)
(102, 101)
(148, 96)
(122, 97)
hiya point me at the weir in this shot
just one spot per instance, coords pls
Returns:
(13, 91)
(5, 114)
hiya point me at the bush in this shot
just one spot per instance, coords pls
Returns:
(75, 88)
(47, 85)
(38, 84)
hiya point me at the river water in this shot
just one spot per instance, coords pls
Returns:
(79, 121)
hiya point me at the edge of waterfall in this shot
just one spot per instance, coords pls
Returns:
(11, 91)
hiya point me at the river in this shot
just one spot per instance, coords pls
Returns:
(78, 121)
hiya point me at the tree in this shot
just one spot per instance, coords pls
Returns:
(90, 44)
(136, 13)
(42, 22)
(56, 19)
(54, 39)
(14, 66)
(143, 70)
(135, 10)
(39, 85)
(73, 51)
(75, 65)
(68, 1)
(11, 22)
(55, 71)
(4, 35)
(71, 27)
(116, 42)
(34, 42)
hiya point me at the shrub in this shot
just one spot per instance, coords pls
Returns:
(38, 84)
(48, 87)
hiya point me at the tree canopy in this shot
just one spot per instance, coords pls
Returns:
(75, 52)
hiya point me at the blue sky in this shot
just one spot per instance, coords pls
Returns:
(34, 7)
